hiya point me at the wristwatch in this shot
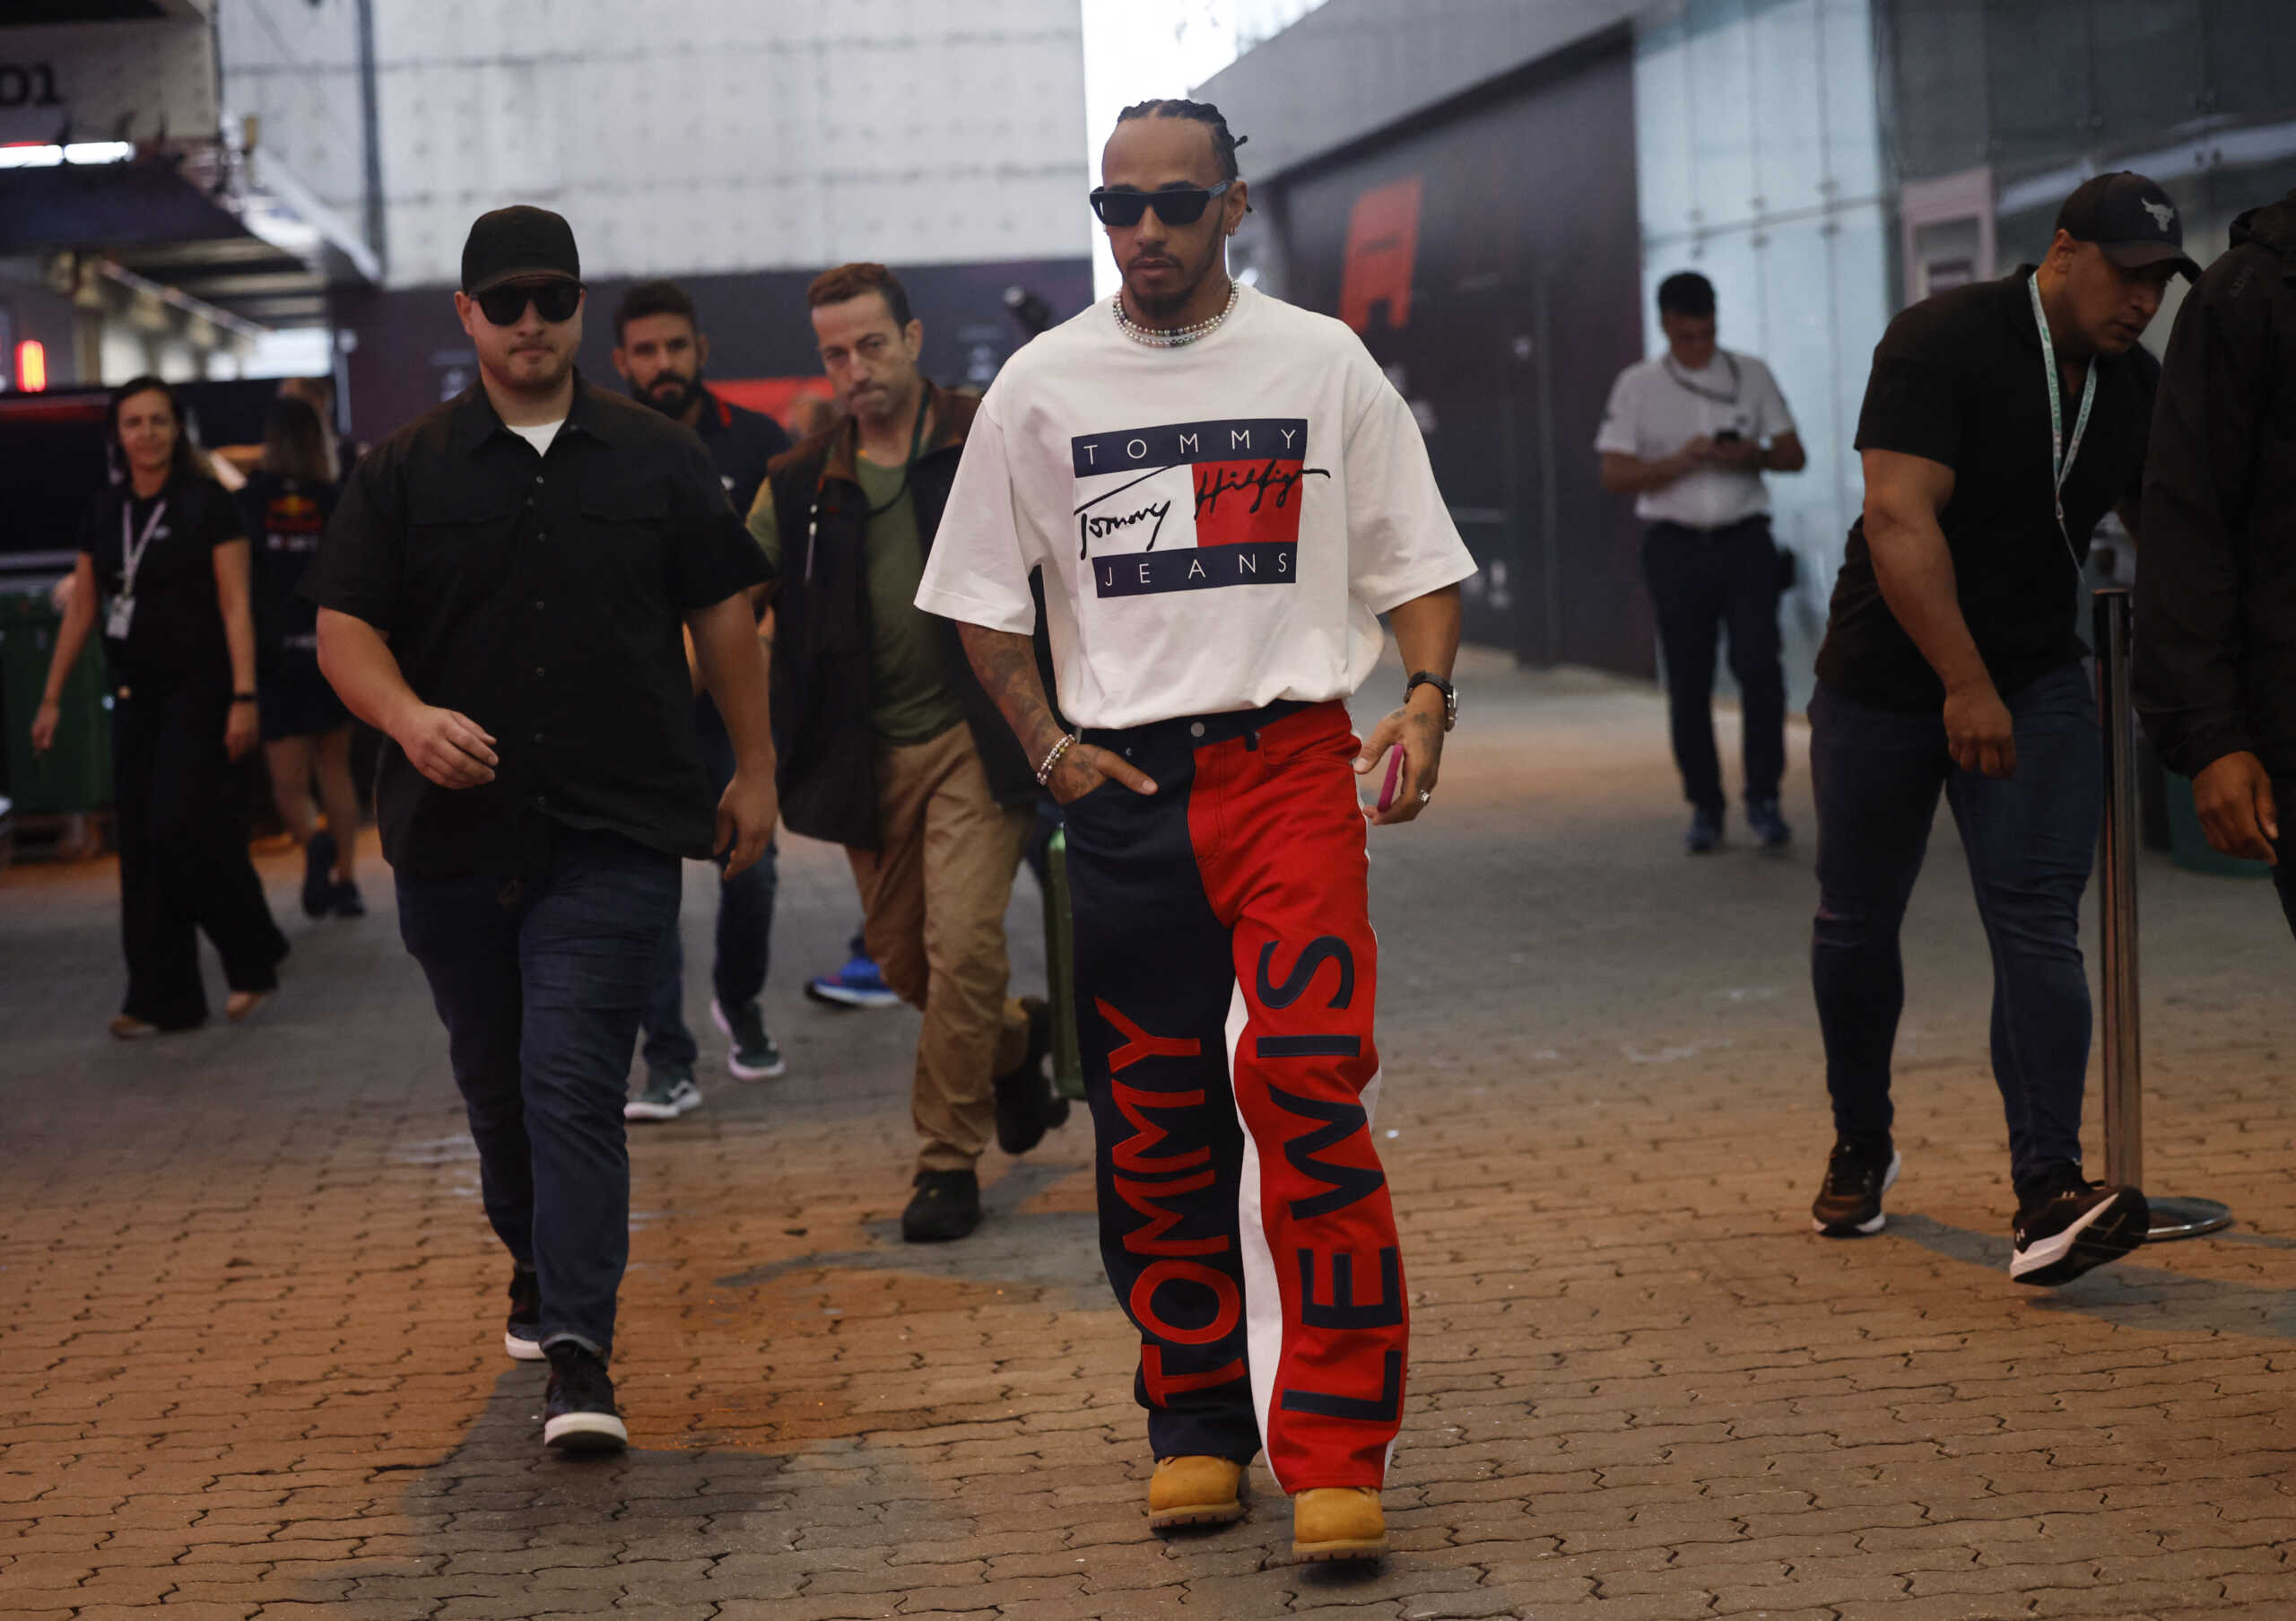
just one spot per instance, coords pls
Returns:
(1450, 694)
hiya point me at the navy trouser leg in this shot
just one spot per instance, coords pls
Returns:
(744, 901)
(2031, 840)
(1154, 985)
(465, 934)
(1876, 775)
(1686, 591)
(584, 947)
(1749, 558)
(668, 1038)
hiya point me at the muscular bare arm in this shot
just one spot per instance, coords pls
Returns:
(1005, 662)
(1912, 564)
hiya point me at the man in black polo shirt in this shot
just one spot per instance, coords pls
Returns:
(660, 351)
(501, 590)
(2001, 420)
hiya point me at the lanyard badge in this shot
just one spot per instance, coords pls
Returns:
(121, 618)
(2061, 454)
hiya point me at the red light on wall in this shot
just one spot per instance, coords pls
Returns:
(31, 366)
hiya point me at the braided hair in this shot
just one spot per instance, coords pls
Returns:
(1224, 145)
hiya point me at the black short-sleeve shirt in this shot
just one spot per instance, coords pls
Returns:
(741, 442)
(1958, 379)
(541, 595)
(284, 519)
(176, 637)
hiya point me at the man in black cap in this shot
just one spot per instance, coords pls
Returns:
(502, 592)
(2001, 420)
(2215, 655)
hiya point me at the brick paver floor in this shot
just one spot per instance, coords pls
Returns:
(249, 1310)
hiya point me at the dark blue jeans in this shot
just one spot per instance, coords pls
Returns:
(2031, 837)
(539, 984)
(1702, 584)
(744, 927)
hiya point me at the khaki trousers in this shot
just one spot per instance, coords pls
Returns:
(933, 898)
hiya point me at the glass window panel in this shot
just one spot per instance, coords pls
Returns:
(1846, 70)
(2036, 79)
(1662, 130)
(2147, 57)
(2250, 63)
(1722, 113)
(1940, 120)
(1787, 118)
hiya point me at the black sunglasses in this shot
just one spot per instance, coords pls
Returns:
(1177, 205)
(556, 300)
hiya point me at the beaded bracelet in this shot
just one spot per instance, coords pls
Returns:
(1044, 772)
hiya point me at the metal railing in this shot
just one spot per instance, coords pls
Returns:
(2124, 1061)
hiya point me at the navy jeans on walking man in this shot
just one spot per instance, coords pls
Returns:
(2030, 838)
(744, 927)
(540, 983)
(1702, 583)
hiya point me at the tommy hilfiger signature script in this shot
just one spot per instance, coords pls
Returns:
(1210, 484)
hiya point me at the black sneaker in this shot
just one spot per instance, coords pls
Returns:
(1705, 835)
(1850, 1203)
(318, 874)
(2066, 1225)
(1026, 1102)
(577, 1410)
(751, 1054)
(1768, 827)
(946, 1206)
(344, 901)
(522, 1335)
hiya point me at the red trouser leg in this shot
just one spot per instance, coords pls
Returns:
(1280, 842)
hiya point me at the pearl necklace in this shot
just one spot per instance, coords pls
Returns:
(1159, 338)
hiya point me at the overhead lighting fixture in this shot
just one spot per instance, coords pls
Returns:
(34, 154)
(31, 366)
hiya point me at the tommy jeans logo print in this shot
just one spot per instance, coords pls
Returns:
(1190, 506)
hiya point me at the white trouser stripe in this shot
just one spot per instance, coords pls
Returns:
(1263, 1296)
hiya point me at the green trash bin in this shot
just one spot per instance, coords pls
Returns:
(2189, 847)
(76, 774)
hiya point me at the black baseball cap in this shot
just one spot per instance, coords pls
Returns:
(518, 244)
(2130, 218)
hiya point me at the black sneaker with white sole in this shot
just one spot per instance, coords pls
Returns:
(522, 1335)
(577, 1410)
(2066, 1225)
(1849, 1202)
(669, 1092)
(751, 1054)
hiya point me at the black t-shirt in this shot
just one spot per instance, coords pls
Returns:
(176, 638)
(284, 520)
(741, 442)
(1957, 379)
(542, 597)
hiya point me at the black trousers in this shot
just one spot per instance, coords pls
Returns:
(183, 857)
(1702, 583)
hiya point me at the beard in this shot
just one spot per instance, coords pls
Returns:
(673, 395)
(1163, 306)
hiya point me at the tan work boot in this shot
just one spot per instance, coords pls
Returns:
(1339, 1522)
(1194, 1491)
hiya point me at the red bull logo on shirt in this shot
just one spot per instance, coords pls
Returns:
(1191, 506)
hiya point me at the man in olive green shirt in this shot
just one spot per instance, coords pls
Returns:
(888, 747)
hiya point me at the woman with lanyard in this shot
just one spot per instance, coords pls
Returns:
(306, 730)
(167, 553)
(2003, 420)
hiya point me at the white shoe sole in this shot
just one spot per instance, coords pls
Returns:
(743, 1072)
(639, 1109)
(1865, 1229)
(585, 1433)
(522, 1350)
(837, 995)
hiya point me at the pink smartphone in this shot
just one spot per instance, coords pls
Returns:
(1394, 777)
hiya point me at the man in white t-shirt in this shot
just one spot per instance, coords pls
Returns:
(1221, 493)
(1690, 435)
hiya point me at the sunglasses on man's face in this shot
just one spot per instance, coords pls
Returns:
(556, 300)
(1175, 206)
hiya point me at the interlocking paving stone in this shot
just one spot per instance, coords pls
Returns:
(250, 1363)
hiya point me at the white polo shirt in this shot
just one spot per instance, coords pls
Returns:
(1218, 525)
(1657, 406)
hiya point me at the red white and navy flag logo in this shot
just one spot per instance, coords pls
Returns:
(1190, 506)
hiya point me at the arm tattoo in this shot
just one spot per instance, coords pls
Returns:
(1006, 664)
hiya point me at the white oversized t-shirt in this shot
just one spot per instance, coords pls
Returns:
(1657, 407)
(1219, 524)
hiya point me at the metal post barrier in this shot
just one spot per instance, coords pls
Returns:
(2117, 928)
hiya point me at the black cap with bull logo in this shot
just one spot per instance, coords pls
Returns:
(2130, 219)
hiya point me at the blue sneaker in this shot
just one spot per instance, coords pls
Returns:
(1767, 826)
(858, 984)
(1705, 833)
